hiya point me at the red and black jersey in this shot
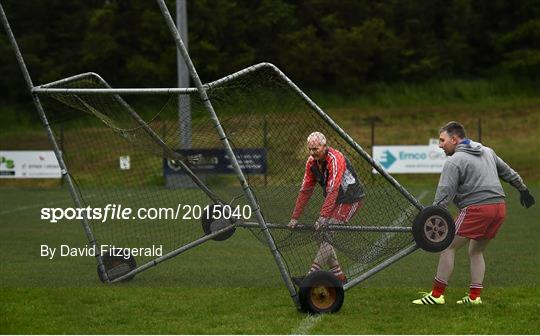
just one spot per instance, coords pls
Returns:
(336, 176)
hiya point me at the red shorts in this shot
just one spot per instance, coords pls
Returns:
(480, 221)
(343, 212)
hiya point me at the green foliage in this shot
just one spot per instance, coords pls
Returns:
(520, 49)
(320, 42)
(343, 46)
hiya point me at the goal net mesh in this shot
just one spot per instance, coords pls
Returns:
(260, 114)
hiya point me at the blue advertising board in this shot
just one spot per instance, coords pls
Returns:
(216, 161)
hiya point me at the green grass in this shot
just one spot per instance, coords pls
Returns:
(234, 286)
(257, 311)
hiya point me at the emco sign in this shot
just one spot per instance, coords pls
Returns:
(410, 159)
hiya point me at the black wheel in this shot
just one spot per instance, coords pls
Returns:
(321, 292)
(433, 229)
(117, 265)
(212, 222)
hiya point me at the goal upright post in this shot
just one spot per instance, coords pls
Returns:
(50, 135)
(234, 162)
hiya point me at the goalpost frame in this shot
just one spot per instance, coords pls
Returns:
(201, 90)
(50, 88)
(136, 91)
(236, 166)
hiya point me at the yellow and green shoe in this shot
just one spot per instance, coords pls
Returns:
(468, 301)
(429, 299)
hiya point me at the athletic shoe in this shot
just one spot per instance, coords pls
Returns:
(468, 301)
(429, 299)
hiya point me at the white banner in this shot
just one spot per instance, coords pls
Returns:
(29, 164)
(410, 159)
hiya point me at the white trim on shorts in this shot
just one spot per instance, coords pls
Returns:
(461, 218)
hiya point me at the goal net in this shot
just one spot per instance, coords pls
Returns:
(173, 148)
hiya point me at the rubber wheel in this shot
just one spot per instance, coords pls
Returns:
(321, 292)
(116, 265)
(433, 229)
(211, 224)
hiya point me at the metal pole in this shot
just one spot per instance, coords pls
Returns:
(62, 149)
(111, 91)
(74, 194)
(184, 103)
(173, 253)
(223, 137)
(330, 228)
(398, 256)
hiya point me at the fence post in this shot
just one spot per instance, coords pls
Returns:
(372, 120)
(62, 150)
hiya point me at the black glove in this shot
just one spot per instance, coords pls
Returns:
(526, 199)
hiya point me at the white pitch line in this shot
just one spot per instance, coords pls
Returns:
(307, 324)
(422, 195)
(378, 246)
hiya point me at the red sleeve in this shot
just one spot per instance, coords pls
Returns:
(336, 166)
(305, 191)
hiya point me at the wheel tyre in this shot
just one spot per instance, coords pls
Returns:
(211, 224)
(116, 265)
(433, 229)
(321, 292)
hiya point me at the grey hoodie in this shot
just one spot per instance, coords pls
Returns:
(471, 176)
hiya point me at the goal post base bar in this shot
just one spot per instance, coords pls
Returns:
(346, 228)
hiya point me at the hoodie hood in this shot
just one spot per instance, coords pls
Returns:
(470, 147)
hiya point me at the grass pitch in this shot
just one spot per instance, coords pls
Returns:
(234, 286)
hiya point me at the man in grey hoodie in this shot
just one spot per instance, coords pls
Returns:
(470, 178)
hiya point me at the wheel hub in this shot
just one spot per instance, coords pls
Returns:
(436, 229)
(323, 297)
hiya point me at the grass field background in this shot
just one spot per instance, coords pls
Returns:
(235, 287)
